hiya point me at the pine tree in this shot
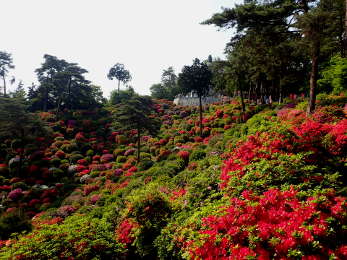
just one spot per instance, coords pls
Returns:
(196, 78)
(136, 113)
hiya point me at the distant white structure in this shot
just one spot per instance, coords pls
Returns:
(192, 99)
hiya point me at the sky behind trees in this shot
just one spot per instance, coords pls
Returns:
(146, 36)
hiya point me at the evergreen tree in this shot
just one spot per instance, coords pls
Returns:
(119, 72)
(63, 85)
(136, 113)
(6, 64)
(168, 88)
(18, 124)
(196, 78)
(309, 24)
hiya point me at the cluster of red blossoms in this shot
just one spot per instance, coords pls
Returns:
(274, 225)
(256, 147)
(125, 230)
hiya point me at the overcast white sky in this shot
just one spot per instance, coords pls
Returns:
(146, 36)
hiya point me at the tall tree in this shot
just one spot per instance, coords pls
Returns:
(119, 72)
(136, 113)
(46, 75)
(312, 19)
(63, 85)
(19, 91)
(168, 88)
(6, 64)
(196, 78)
(17, 123)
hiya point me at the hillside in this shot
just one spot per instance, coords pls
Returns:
(266, 184)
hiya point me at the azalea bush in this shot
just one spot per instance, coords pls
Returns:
(78, 236)
(276, 224)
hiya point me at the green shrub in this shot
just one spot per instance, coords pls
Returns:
(121, 159)
(21, 185)
(69, 147)
(145, 155)
(179, 139)
(75, 157)
(152, 210)
(117, 152)
(302, 105)
(145, 164)
(197, 155)
(334, 76)
(15, 221)
(55, 162)
(325, 99)
(59, 138)
(84, 238)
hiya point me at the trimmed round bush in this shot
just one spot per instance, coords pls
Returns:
(121, 159)
(75, 157)
(145, 164)
(197, 155)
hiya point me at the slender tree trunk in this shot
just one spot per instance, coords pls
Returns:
(235, 92)
(138, 144)
(280, 93)
(58, 108)
(118, 85)
(4, 80)
(45, 99)
(249, 92)
(342, 35)
(21, 153)
(345, 33)
(200, 111)
(69, 93)
(242, 101)
(261, 93)
(313, 78)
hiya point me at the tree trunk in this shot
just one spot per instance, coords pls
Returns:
(200, 110)
(345, 32)
(242, 100)
(58, 108)
(45, 99)
(118, 85)
(21, 154)
(69, 93)
(280, 93)
(342, 35)
(138, 144)
(313, 78)
(4, 80)
(261, 93)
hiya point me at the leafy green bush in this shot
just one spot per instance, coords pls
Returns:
(14, 221)
(75, 157)
(83, 238)
(325, 99)
(334, 77)
(121, 159)
(21, 185)
(55, 162)
(151, 210)
(145, 164)
(197, 155)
